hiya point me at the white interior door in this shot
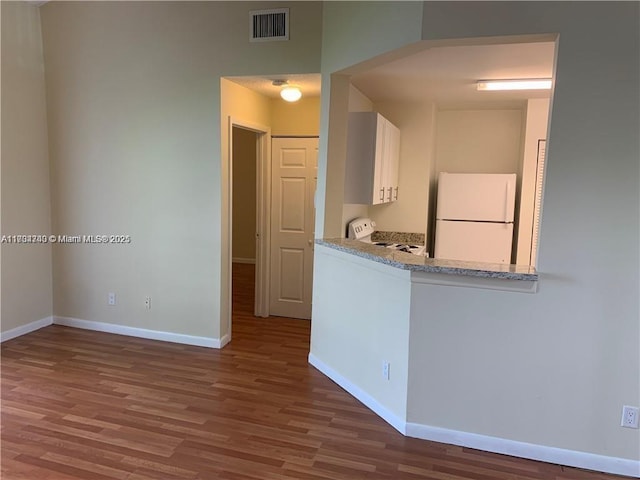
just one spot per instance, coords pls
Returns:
(293, 185)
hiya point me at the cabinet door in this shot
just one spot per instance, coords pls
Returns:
(391, 161)
(373, 151)
(359, 185)
(379, 172)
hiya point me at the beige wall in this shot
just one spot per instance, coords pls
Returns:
(244, 195)
(478, 141)
(358, 101)
(299, 118)
(139, 146)
(524, 361)
(377, 329)
(26, 269)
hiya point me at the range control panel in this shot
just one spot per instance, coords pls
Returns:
(361, 227)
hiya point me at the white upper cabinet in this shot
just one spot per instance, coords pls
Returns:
(373, 154)
(391, 160)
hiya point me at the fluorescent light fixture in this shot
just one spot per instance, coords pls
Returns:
(525, 84)
(291, 94)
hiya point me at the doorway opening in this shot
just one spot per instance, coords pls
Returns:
(272, 221)
(244, 225)
(248, 239)
(255, 115)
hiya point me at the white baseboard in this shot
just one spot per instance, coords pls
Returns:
(370, 402)
(24, 329)
(141, 332)
(251, 261)
(224, 340)
(571, 458)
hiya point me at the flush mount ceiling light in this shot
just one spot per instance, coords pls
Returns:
(288, 93)
(291, 94)
(524, 84)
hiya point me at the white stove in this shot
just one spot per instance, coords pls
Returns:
(362, 228)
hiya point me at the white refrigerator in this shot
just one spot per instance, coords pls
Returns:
(474, 217)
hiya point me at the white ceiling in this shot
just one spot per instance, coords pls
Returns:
(446, 75)
(449, 74)
(309, 84)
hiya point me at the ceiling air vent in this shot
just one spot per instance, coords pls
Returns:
(269, 25)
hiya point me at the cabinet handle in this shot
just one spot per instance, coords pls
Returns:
(390, 189)
(396, 194)
(382, 194)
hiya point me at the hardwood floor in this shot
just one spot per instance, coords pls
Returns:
(85, 405)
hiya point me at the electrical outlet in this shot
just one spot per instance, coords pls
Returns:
(385, 370)
(147, 302)
(629, 417)
(111, 298)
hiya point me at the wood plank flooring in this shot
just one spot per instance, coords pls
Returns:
(81, 405)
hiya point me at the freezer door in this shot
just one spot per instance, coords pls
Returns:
(474, 241)
(475, 196)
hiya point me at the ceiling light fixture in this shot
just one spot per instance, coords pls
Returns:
(291, 94)
(524, 84)
(288, 93)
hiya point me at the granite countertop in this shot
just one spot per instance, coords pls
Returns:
(416, 263)
(398, 237)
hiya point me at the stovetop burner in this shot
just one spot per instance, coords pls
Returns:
(362, 228)
(403, 247)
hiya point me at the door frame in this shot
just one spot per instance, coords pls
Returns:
(263, 220)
